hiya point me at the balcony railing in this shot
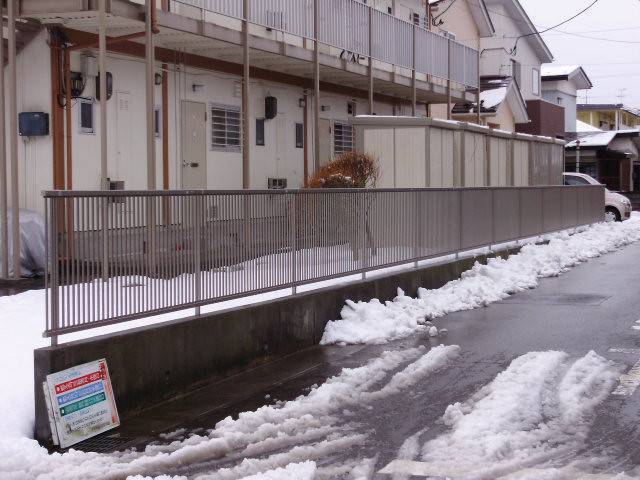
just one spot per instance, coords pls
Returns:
(345, 24)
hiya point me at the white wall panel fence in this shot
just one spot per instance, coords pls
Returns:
(429, 153)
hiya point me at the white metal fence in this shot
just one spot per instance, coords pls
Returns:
(346, 24)
(117, 256)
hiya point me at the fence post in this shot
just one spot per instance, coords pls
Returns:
(52, 264)
(197, 249)
(418, 226)
(460, 190)
(493, 219)
(293, 233)
(365, 251)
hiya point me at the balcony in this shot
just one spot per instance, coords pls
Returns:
(282, 39)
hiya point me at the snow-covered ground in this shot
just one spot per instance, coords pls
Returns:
(287, 440)
(374, 322)
(301, 431)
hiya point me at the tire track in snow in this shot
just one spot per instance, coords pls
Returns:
(537, 410)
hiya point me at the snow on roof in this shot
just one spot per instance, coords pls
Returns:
(585, 127)
(601, 139)
(552, 70)
(493, 97)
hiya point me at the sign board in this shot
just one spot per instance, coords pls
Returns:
(80, 402)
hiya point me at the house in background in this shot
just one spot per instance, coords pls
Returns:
(468, 21)
(560, 86)
(509, 67)
(502, 105)
(611, 157)
(611, 116)
(517, 50)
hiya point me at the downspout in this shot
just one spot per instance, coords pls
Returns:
(57, 111)
(67, 107)
(305, 143)
(165, 127)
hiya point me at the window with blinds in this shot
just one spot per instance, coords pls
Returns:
(225, 128)
(342, 138)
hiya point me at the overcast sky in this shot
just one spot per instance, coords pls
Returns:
(610, 65)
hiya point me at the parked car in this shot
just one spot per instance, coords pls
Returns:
(616, 207)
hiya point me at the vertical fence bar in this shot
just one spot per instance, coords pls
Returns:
(197, 238)
(293, 242)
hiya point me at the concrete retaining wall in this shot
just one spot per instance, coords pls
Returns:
(154, 363)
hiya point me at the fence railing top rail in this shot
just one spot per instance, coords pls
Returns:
(310, 191)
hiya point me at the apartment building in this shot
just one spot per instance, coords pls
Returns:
(373, 57)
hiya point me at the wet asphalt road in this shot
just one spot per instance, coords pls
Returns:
(592, 307)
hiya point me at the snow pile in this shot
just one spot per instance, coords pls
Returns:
(299, 471)
(374, 322)
(540, 408)
(270, 438)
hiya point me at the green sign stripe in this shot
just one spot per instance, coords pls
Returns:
(84, 403)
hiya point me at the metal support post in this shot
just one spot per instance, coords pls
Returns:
(414, 87)
(150, 86)
(246, 114)
(448, 79)
(479, 114)
(4, 225)
(316, 84)
(102, 59)
(13, 139)
(370, 61)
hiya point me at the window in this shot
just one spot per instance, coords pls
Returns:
(342, 138)
(559, 100)
(225, 128)
(157, 122)
(86, 117)
(260, 132)
(535, 81)
(299, 135)
(415, 17)
(574, 179)
(351, 108)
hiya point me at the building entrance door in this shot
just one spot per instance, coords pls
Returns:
(194, 146)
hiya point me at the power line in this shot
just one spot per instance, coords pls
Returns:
(561, 32)
(555, 26)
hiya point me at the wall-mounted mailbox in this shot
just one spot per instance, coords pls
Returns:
(33, 124)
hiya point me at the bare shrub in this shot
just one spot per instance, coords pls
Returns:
(349, 170)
